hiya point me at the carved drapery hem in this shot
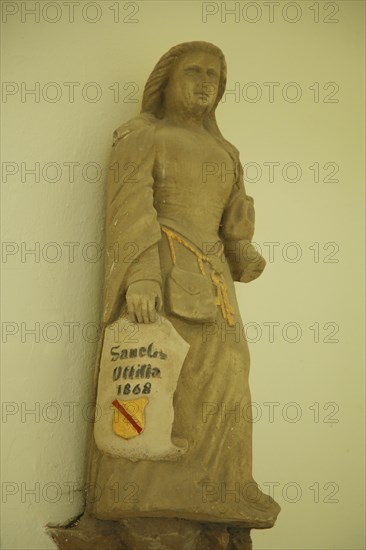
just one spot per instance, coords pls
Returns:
(88, 533)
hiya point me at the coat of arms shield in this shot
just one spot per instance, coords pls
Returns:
(129, 417)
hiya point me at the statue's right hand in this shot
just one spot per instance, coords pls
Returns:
(144, 299)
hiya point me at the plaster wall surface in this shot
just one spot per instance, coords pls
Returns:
(294, 110)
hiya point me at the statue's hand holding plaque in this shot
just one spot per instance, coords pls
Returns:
(139, 370)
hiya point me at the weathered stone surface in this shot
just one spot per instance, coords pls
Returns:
(179, 232)
(88, 534)
(149, 534)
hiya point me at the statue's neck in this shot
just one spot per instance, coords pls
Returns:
(184, 119)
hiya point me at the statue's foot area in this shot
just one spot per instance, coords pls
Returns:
(149, 534)
(88, 533)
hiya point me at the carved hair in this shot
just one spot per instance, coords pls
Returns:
(153, 96)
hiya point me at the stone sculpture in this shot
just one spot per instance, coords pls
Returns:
(179, 228)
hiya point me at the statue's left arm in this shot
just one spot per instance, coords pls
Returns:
(236, 231)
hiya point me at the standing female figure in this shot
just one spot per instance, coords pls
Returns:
(176, 193)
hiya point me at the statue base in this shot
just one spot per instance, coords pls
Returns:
(87, 533)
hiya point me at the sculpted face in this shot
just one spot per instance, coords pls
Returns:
(193, 83)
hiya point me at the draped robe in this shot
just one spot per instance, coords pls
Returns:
(213, 480)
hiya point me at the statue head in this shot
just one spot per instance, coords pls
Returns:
(193, 85)
(193, 75)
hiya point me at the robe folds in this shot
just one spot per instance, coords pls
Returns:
(213, 480)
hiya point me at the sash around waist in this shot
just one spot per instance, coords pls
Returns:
(209, 245)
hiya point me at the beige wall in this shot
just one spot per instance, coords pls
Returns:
(307, 377)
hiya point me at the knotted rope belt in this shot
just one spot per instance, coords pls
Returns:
(217, 278)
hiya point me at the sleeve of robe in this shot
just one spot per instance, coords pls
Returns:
(147, 267)
(237, 229)
(132, 228)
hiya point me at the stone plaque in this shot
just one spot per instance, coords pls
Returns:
(139, 370)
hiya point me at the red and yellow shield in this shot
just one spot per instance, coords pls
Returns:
(129, 417)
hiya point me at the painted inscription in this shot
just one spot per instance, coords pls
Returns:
(137, 381)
